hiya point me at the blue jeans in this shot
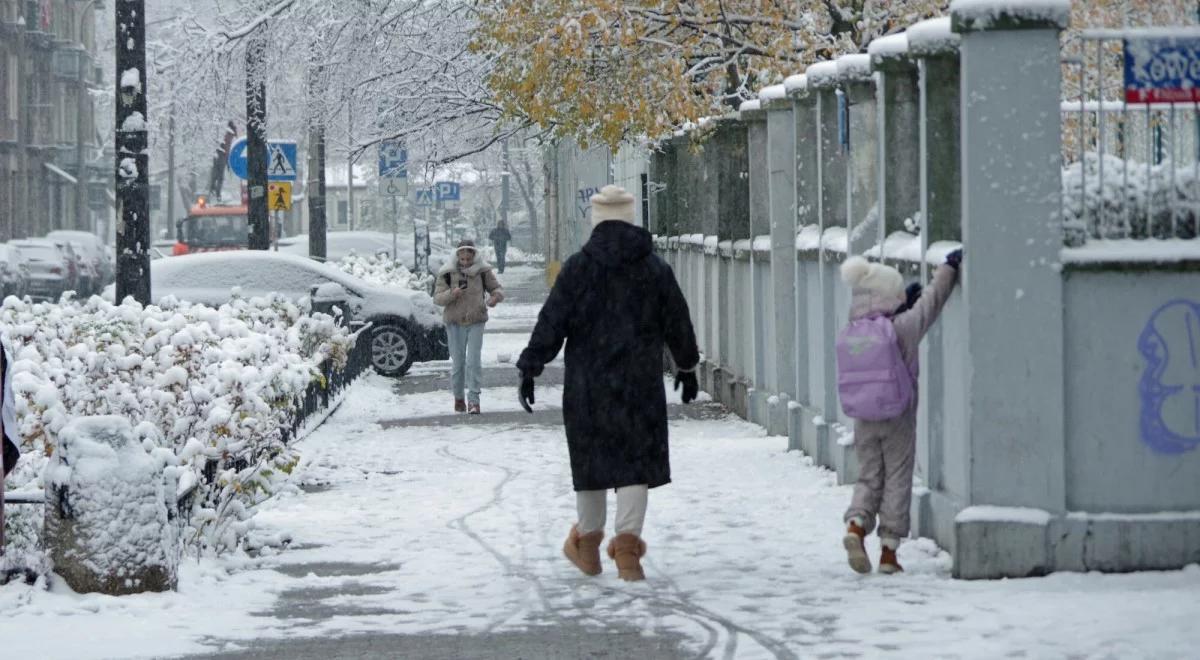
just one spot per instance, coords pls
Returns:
(466, 346)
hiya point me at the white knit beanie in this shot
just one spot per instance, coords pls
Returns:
(613, 203)
(883, 281)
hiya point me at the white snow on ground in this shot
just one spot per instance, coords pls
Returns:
(465, 525)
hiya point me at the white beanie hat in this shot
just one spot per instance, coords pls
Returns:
(612, 203)
(885, 282)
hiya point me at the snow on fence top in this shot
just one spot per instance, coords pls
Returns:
(1159, 32)
(932, 37)
(823, 74)
(772, 93)
(985, 14)
(854, 68)
(796, 83)
(891, 46)
(750, 106)
(809, 237)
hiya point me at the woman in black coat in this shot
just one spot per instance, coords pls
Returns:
(615, 304)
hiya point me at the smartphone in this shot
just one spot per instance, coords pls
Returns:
(462, 284)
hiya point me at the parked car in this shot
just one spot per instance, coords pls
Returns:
(14, 272)
(49, 268)
(405, 325)
(94, 250)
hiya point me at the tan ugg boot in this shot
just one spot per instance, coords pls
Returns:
(627, 551)
(584, 550)
(856, 552)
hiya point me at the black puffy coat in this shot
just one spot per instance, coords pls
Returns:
(615, 304)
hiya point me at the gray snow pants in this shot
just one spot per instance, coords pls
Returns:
(886, 455)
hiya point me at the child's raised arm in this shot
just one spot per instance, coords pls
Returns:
(912, 325)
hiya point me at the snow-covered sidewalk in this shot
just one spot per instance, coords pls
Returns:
(455, 533)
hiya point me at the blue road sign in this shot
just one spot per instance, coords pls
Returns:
(393, 160)
(1162, 69)
(448, 191)
(281, 160)
(424, 196)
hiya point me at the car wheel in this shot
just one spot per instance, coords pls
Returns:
(392, 351)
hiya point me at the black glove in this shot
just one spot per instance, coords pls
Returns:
(690, 386)
(911, 294)
(526, 393)
(954, 259)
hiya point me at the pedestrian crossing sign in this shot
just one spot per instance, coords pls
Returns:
(279, 196)
(279, 165)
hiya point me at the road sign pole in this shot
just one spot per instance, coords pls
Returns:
(395, 231)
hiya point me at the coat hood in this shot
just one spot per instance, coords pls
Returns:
(451, 266)
(615, 243)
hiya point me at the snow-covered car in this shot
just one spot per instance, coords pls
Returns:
(405, 325)
(49, 268)
(14, 271)
(93, 249)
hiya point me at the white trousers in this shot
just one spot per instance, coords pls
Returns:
(631, 509)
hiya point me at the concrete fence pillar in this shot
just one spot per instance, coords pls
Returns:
(760, 318)
(807, 219)
(110, 523)
(859, 136)
(1011, 368)
(936, 47)
(733, 224)
(781, 167)
(899, 144)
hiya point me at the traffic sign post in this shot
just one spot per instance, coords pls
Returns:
(281, 160)
(391, 187)
(393, 160)
(424, 197)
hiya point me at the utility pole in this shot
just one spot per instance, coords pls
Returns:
(171, 164)
(133, 160)
(317, 225)
(504, 183)
(350, 160)
(256, 138)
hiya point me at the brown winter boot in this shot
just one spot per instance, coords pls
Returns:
(460, 405)
(888, 564)
(584, 550)
(856, 552)
(627, 551)
(473, 408)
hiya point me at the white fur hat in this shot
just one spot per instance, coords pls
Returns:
(613, 203)
(884, 281)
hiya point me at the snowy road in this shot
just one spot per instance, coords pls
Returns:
(415, 536)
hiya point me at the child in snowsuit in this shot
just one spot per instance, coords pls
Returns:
(886, 449)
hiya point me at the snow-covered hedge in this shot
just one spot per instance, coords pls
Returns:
(204, 383)
(383, 271)
(1140, 203)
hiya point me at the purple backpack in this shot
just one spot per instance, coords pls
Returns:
(874, 382)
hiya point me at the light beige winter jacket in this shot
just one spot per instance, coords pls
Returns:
(471, 307)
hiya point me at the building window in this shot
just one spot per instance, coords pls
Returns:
(343, 212)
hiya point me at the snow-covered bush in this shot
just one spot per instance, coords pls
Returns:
(383, 271)
(213, 384)
(1138, 203)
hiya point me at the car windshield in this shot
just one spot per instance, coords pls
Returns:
(216, 230)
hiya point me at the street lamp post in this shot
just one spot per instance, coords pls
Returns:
(81, 179)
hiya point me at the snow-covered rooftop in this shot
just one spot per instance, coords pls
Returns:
(982, 14)
(855, 67)
(750, 106)
(932, 37)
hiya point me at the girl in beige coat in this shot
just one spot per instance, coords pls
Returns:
(466, 288)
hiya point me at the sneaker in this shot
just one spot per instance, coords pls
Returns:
(473, 408)
(460, 405)
(856, 552)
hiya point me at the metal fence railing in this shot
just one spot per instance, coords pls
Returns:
(1131, 170)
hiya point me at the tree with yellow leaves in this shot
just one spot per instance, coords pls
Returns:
(603, 70)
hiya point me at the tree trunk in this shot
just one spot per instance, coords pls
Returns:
(317, 224)
(525, 184)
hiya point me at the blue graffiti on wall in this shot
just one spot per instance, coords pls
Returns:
(1170, 386)
(583, 199)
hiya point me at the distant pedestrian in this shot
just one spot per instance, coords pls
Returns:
(500, 236)
(877, 384)
(615, 304)
(466, 287)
